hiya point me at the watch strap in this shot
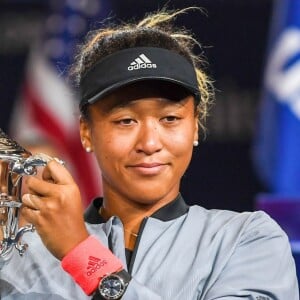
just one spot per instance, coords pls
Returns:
(124, 274)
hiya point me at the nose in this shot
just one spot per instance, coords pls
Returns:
(149, 140)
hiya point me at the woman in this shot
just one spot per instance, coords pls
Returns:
(144, 96)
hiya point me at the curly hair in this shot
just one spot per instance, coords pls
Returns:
(155, 30)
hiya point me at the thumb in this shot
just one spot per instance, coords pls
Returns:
(57, 173)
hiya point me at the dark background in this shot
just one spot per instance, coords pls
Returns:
(233, 34)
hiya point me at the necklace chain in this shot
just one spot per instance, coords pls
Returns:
(101, 212)
(132, 233)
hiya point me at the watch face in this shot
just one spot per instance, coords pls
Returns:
(112, 287)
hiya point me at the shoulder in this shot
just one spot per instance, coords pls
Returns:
(237, 228)
(226, 218)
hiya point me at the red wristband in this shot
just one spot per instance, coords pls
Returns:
(90, 261)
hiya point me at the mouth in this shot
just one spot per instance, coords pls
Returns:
(150, 169)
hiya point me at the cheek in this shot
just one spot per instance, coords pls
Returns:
(180, 140)
(109, 149)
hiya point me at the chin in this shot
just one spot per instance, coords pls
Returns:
(152, 196)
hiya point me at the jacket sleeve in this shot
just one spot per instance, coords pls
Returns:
(260, 268)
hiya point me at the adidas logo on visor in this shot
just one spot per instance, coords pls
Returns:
(141, 62)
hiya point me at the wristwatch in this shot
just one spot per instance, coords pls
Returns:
(113, 286)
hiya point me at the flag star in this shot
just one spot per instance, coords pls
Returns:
(54, 48)
(76, 25)
(93, 7)
(55, 24)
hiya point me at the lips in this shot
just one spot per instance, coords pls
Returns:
(154, 168)
(148, 165)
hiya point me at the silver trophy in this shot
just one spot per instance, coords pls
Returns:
(15, 162)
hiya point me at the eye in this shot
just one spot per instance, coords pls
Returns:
(170, 119)
(126, 122)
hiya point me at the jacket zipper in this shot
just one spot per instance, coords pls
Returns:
(135, 249)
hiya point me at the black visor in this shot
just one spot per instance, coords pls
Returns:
(137, 64)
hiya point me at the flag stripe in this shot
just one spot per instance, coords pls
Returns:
(69, 144)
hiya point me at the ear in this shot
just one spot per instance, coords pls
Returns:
(85, 134)
(196, 133)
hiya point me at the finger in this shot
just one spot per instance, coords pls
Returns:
(39, 187)
(31, 201)
(30, 215)
(56, 172)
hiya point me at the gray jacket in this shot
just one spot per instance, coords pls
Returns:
(182, 253)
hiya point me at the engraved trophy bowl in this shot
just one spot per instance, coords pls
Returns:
(15, 162)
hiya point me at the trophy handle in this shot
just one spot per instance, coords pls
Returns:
(28, 166)
(16, 241)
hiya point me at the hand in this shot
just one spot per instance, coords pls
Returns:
(53, 205)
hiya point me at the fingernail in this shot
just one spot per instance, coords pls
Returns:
(26, 197)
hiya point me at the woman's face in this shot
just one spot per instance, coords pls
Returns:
(142, 140)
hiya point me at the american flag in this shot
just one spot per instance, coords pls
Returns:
(47, 108)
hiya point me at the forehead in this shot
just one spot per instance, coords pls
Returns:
(142, 90)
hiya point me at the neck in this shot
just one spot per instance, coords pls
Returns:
(131, 214)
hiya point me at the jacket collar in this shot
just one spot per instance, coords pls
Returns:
(170, 211)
